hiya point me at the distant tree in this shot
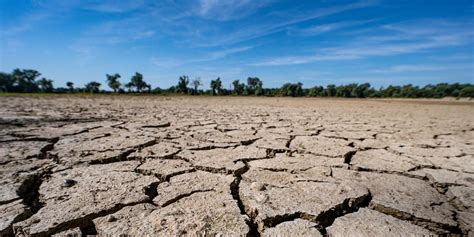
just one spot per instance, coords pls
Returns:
(182, 86)
(442, 90)
(292, 89)
(25, 80)
(113, 82)
(467, 91)
(373, 93)
(361, 91)
(270, 92)
(254, 86)
(6, 82)
(70, 85)
(196, 84)
(157, 90)
(409, 91)
(350, 90)
(331, 90)
(238, 87)
(393, 91)
(129, 87)
(341, 91)
(216, 86)
(316, 91)
(45, 85)
(259, 90)
(93, 87)
(138, 82)
(455, 89)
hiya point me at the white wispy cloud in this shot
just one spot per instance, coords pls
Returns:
(294, 60)
(324, 28)
(198, 24)
(211, 56)
(109, 6)
(222, 53)
(420, 38)
(351, 52)
(280, 23)
(228, 9)
(25, 23)
(420, 68)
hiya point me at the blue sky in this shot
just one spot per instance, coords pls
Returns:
(309, 41)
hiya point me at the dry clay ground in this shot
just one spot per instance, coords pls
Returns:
(235, 166)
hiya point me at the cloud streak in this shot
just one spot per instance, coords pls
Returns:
(278, 24)
(416, 40)
(420, 68)
(114, 6)
(324, 28)
(211, 56)
(228, 10)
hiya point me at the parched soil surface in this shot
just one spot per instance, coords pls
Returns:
(161, 166)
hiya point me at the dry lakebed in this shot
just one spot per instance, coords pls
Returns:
(232, 166)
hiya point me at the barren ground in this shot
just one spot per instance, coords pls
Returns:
(235, 166)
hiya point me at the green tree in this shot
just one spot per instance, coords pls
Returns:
(45, 85)
(93, 87)
(182, 86)
(292, 89)
(238, 87)
(216, 86)
(316, 91)
(113, 81)
(129, 87)
(391, 91)
(345, 90)
(70, 85)
(331, 90)
(25, 80)
(467, 91)
(6, 82)
(408, 91)
(196, 84)
(254, 86)
(361, 91)
(138, 82)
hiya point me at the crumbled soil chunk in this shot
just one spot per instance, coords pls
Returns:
(224, 160)
(270, 196)
(399, 196)
(164, 168)
(382, 160)
(331, 147)
(366, 222)
(297, 227)
(198, 203)
(99, 189)
(11, 213)
(296, 163)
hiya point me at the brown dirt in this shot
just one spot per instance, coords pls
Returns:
(153, 165)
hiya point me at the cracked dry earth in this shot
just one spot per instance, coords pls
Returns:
(154, 166)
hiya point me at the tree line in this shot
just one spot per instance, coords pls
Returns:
(30, 81)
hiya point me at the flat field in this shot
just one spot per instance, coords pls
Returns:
(161, 166)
